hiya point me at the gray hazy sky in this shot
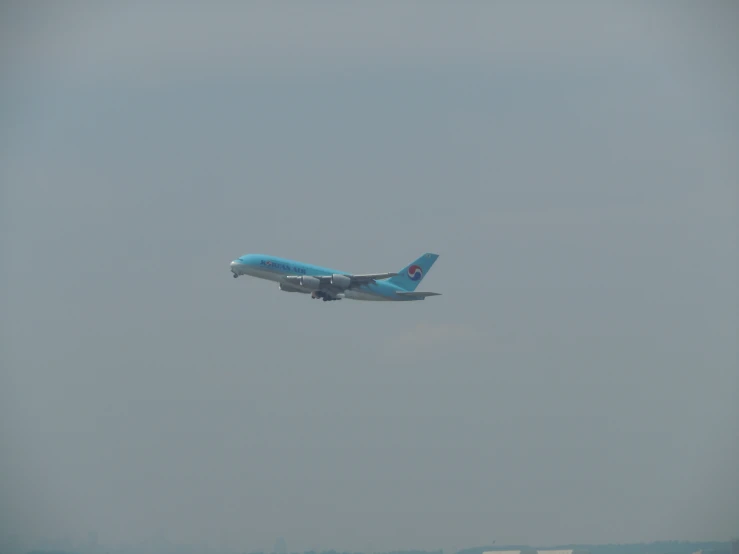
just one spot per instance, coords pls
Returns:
(575, 165)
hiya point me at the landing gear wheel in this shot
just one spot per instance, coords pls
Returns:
(235, 276)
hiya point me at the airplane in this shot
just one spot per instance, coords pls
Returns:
(329, 284)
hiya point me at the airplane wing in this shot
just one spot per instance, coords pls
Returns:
(417, 294)
(369, 277)
(357, 280)
(341, 281)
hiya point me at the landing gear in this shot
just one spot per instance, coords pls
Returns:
(322, 295)
(235, 275)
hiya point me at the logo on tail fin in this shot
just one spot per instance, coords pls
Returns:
(415, 273)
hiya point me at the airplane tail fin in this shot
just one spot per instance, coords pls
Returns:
(410, 276)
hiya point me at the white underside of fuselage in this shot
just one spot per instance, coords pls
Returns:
(362, 293)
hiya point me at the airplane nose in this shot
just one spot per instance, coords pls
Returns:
(235, 267)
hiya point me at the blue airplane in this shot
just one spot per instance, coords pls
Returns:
(329, 284)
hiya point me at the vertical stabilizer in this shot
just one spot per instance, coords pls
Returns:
(410, 276)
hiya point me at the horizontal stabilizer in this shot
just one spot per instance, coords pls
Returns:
(417, 294)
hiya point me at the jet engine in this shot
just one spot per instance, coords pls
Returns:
(309, 282)
(287, 288)
(341, 281)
